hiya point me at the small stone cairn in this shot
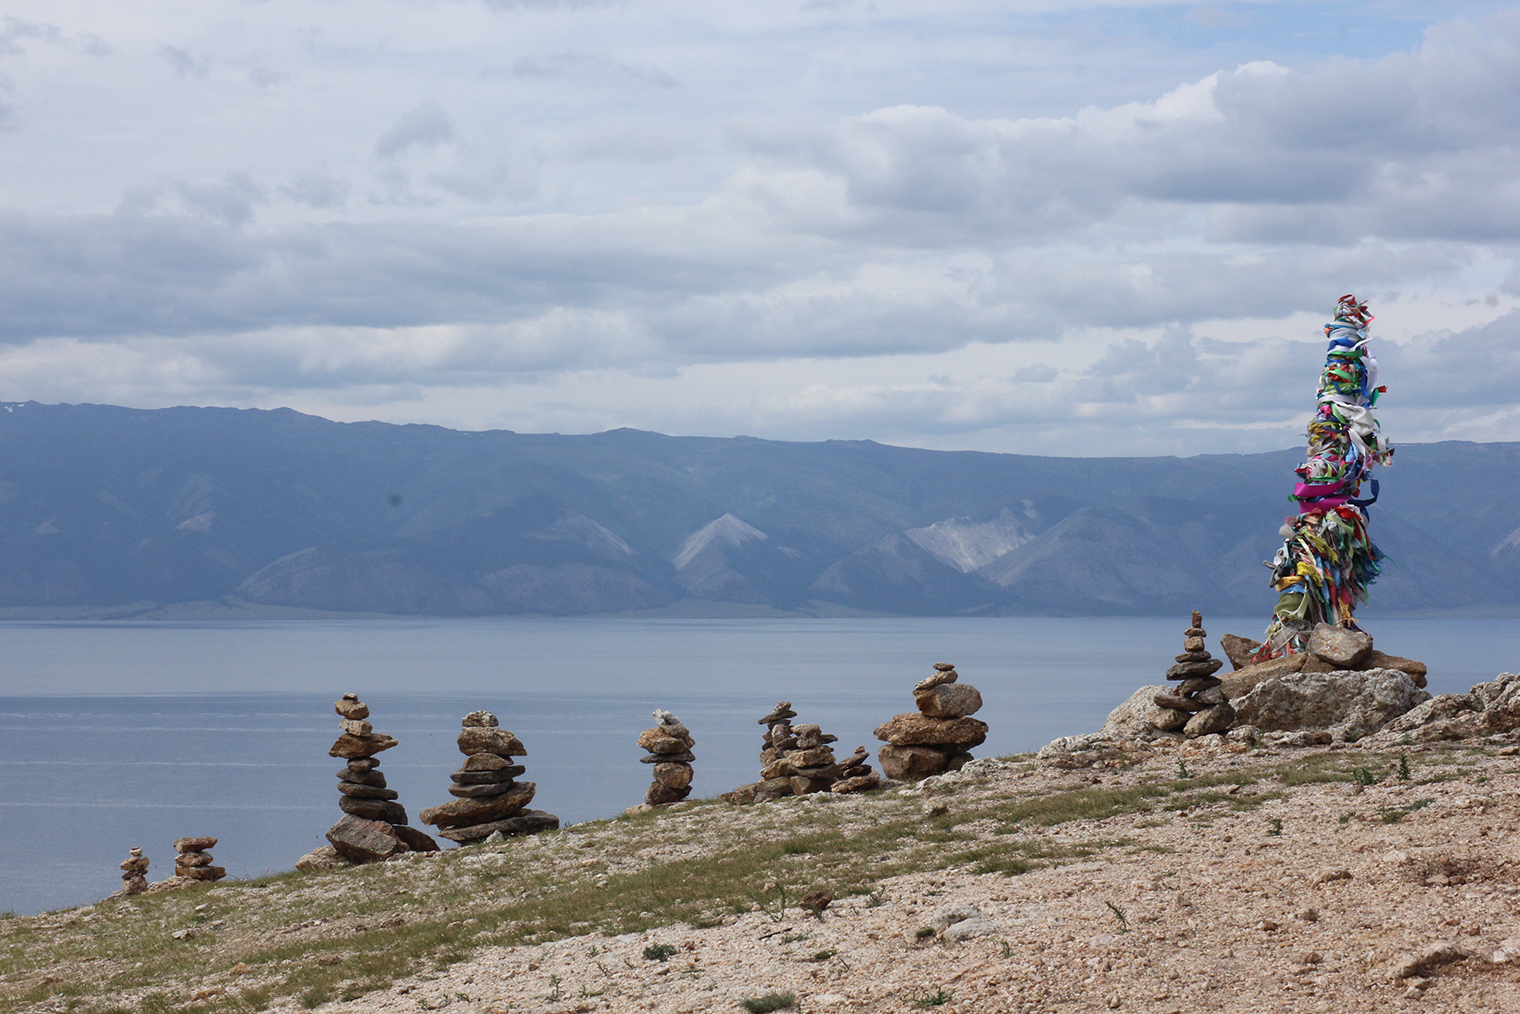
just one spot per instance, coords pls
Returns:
(193, 862)
(374, 824)
(134, 873)
(669, 751)
(1198, 706)
(939, 736)
(489, 804)
(798, 760)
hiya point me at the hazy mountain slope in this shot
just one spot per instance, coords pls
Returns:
(106, 506)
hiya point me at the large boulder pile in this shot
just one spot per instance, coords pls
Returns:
(1348, 705)
(1331, 649)
(940, 735)
(1488, 709)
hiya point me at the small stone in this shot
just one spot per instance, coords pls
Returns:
(352, 747)
(1192, 644)
(944, 666)
(1195, 632)
(911, 763)
(658, 794)
(920, 730)
(366, 791)
(194, 844)
(479, 720)
(781, 712)
(675, 776)
(804, 786)
(1169, 719)
(506, 774)
(1187, 670)
(201, 872)
(187, 859)
(356, 728)
(324, 858)
(136, 864)
(1329, 875)
(809, 736)
(475, 811)
(375, 778)
(685, 757)
(816, 757)
(939, 679)
(415, 840)
(481, 739)
(373, 809)
(1197, 683)
(363, 764)
(526, 822)
(1212, 696)
(856, 783)
(1340, 647)
(969, 928)
(350, 707)
(1238, 650)
(656, 741)
(951, 700)
(816, 901)
(364, 841)
(1219, 718)
(1178, 703)
(1441, 952)
(484, 790)
(1193, 656)
(485, 762)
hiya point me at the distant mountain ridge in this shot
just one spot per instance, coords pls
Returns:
(104, 507)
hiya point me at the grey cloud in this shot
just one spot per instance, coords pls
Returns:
(183, 62)
(426, 126)
(563, 64)
(263, 77)
(316, 190)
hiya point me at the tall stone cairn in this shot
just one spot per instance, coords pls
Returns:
(193, 862)
(1198, 707)
(488, 803)
(669, 751)
(374, 824)
(134, 872)
(939, 736)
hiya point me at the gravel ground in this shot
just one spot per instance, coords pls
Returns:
(1327, 897)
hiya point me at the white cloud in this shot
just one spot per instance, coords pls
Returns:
(525, 199)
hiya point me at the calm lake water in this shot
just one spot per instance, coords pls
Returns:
(119, 734)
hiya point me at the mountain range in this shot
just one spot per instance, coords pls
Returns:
(126, 510)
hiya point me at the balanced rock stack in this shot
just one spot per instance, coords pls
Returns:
(939, 736)
(799, 760)
(374, 824)
(1198, 706)
(194, 862)
(669, 746)
(489, 803)
(134, 872)
(855, 774)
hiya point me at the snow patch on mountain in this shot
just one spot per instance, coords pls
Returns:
(727, 529)
(969, 545)
(576, 527)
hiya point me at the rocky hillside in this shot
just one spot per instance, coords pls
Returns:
(107, 508)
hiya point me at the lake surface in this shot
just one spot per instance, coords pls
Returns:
(120, 734)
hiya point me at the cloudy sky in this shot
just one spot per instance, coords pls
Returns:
(1041, 227)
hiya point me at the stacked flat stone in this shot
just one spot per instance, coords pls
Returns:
(374, 823)
(939, 736)
(799, 760)
(1198, 707)
(134, 872)
(669, 751)
(489, 802)
(193, 862)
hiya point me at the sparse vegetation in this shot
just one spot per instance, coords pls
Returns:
(658, 952)
(938, 998)
(769, 1002)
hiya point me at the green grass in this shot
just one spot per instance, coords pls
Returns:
(769, 1002)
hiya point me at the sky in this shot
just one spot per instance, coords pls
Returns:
(1038, 227)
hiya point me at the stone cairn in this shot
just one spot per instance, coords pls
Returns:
(1198, 706)
(797, 760)
(937, 737)
(490, 805)
(193, 862)
(374, 824)
(134, 873)
(669, 751)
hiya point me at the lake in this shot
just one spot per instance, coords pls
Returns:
(137, 733)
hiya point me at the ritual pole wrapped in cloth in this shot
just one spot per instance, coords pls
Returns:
(1327, 559)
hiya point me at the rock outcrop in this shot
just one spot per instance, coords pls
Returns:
(488, 800)
(940, 735)
(1331, 649)
(1488, 709)
(1346, 704)
(668, 749)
